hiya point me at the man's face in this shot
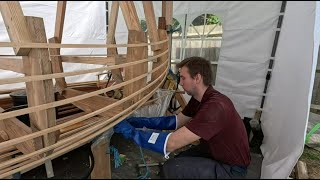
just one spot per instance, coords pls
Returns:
(186, 81)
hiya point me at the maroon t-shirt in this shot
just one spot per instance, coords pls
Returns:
(220, 127)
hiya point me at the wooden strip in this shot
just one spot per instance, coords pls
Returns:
(151, 23)
(57, 66)
(57, 127)
(136, 70)
(90, 60)
(130, 15)
(58, 75)
(58, 45)
(16, 25)
(11, 64)
(61, 10)
(39, 92)
(78, 139)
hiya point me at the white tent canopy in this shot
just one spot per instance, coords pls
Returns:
(249, 30)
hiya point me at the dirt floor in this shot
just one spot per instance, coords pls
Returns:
(76, 164)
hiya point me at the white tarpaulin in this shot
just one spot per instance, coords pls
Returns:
(85, 23)
(249, 30)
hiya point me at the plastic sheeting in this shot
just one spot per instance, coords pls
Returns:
(286, 112)
(84, 23)
(157, 108)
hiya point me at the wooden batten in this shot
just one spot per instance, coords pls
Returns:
(38, 63)
(90, 60)
(151, 23)
(16, 25)
(134, 54)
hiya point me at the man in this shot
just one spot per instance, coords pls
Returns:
(210, 117)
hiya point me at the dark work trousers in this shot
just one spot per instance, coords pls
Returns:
(193, 164)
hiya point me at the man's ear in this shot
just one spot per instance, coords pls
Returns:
(198, 78)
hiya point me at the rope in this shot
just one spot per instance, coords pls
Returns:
(146, 175)
(116, 155)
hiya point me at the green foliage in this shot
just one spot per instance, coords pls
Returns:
(143, 24)
(207, 19)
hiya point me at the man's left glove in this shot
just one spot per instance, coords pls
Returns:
(155, 141)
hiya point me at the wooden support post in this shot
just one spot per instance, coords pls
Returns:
(162, 36)
(130, 15)
(168, 12)
(56, 60)
(116, 73)
(57, 66)
(61, 11)
(134, 54)
(40, 92)
(102, 164)
(16, 25)
(151, 24)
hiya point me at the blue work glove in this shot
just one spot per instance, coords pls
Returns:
(159, 123)
(155, 141)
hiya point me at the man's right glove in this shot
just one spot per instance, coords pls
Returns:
(159, 123)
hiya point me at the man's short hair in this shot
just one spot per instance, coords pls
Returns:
(197, 65)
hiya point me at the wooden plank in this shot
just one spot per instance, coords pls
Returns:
(61, 10)
(134, 54)
(90, 60)
(101, 169)
(14, 128)
(93, 103)
(151, 24)
(301, 170)
(116, 73)
(130, 15)
(39, 92)
(16, 25)
(11, 64)
(57, 67)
